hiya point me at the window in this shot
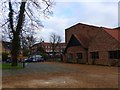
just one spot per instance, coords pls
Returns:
(79, 55)
(94, 55)
(69, 56)
(114, 54)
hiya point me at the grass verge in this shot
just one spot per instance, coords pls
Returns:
(8, 66)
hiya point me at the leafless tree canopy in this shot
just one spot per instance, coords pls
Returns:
(17, 16)
(54, 40)
(34, 11)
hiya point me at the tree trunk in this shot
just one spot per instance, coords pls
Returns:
(15, 50)
(16, 35)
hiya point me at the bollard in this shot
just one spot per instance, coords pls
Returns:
(23, 64)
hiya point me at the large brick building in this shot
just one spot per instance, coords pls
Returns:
(48, 48)
(92, 45)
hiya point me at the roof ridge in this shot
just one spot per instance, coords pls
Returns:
(82, 24)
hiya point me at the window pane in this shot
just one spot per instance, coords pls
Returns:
(118, 54)
(69, 57)
(114, 54)
(94, 55)
(79, 55)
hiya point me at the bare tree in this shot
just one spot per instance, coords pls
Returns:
(27, 42)
(40, 40)
(54, 40)
(18, 17)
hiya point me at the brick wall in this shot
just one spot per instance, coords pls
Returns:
(74, 50)
(103, 43)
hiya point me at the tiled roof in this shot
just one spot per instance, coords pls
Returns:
(82, 24)
(115, 33)
(85, 33)
(47, 44)
(83, 40)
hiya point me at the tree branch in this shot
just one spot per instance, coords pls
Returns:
(11, 17)
(46, 10)
(28, 15)
(20, 17)
(5, 23)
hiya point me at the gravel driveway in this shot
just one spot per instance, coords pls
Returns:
(61, 75)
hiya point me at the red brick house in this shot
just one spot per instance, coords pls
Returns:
(85, 41)
(48, 48)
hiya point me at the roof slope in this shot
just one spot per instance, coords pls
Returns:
(84, 33)
(115, 33)
(74, 41)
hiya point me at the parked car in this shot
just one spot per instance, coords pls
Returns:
(28, 60)
(35, 58)
(39, 59)
(8, 60)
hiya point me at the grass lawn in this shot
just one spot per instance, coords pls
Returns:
(8, 66)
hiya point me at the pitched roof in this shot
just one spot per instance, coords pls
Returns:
(83, 32)
(47, 44)
(74, 41)
(117, 28)
(87, 32)
(115, 33)
(82, 24)
(83, 40)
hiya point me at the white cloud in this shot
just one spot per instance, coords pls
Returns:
(56, 25)
(104, 14)
(44, 33)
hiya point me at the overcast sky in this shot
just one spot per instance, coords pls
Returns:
(70, 12)
(67, 13)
